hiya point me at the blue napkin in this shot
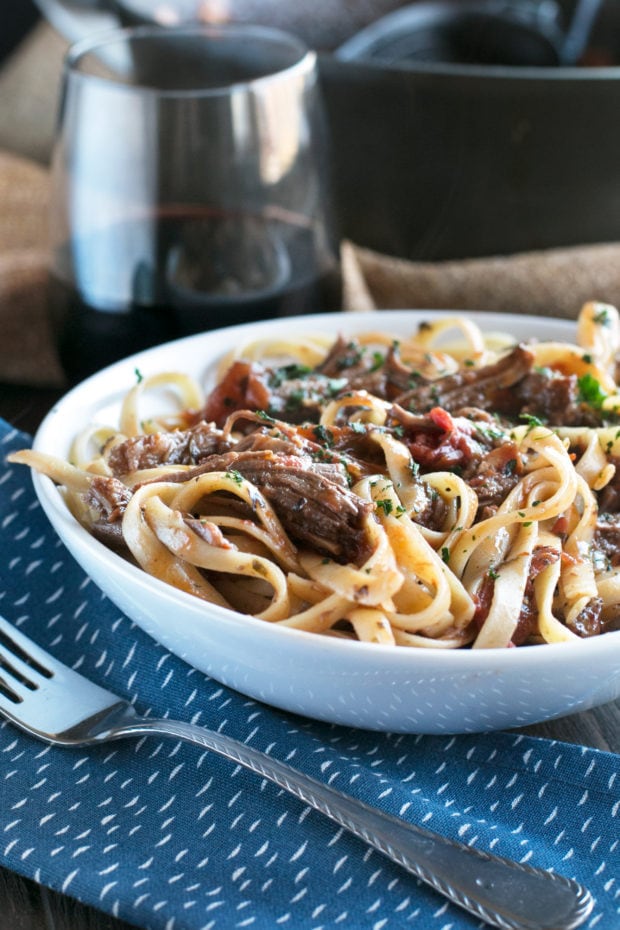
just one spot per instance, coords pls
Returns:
(170, 837)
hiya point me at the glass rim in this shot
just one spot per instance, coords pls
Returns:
(304, 63)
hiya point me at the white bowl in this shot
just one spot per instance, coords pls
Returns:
(362, 685)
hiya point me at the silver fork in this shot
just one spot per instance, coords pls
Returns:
(55, 704)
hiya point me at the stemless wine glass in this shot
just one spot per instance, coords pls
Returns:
(189, 189)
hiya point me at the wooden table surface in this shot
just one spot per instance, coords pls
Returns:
(27, 906)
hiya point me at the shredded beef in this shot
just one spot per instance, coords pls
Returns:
(609, 497)
(438, 441)
(606, 538)
(111, 535)
(471, 387)
(481, 453)
(292, 392)
(314, 509)
(346, 357)
(493, 477)
(209, 532)
(555, 398)
(588, 622)
(244, 386)
(180, 447)
(542, 557)
(508, 388)
(108, 496)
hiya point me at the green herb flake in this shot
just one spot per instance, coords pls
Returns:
(324, 435)
(601, 317)
(590, 391)
(378, 360)
(531, 420)
(291, 372)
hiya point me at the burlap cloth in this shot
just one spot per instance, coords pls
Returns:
(551, 283)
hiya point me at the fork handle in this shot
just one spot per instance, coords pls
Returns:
(505, 894)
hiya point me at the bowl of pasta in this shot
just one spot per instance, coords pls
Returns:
(406, 521)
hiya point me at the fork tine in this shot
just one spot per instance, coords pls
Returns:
(47, 698)
(15, 682)
(21, 672)
(22, 658)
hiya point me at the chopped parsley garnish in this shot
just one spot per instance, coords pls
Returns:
(602, 317)
(590, 391)
(324, 435)
(288, 373)
(490, 432)
(445, 554)
(531, 420)
(139, 375)
(385, 505)
(377, 360)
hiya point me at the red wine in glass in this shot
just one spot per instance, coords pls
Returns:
(184, 271)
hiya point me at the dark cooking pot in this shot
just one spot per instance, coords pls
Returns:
(449, 159)
(438, 160)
